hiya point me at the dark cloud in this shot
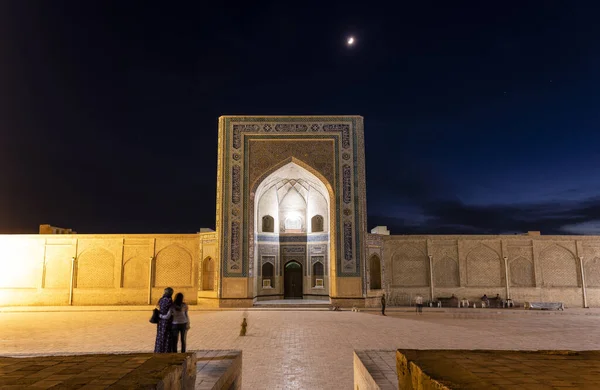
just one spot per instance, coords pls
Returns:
(455, 217)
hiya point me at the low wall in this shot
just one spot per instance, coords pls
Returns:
(123, 371)
(523, 267)
(490, 369)
(219, 369)
(375, 370)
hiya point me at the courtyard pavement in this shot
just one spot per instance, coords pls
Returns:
(300, 349)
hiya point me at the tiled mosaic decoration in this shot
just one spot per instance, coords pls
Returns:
(250, 148)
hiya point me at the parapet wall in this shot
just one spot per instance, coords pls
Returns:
(106, 269)
(526, 268)
(134, 269)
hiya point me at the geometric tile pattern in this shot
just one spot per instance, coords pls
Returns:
(343, 168)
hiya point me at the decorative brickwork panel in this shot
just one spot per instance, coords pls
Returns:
(445, 273)
(592, 272)
(96, 269)
(173, 267)
(410, 267)
(559, 267)
(135, 273)
(484, 267)
(58, 266)
(521, 273)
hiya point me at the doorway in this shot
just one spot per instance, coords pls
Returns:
(292, 279)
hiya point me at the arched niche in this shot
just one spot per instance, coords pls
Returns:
(374, 273)
(208, 274)
(299, 200)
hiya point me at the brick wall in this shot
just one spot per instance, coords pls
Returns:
(539, 268)
(107, 269)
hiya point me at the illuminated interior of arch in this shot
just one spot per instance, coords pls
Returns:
(292, 203)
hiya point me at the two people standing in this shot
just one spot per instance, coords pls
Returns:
(418, 304)
(174, 322)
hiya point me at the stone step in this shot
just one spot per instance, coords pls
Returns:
(325, 306)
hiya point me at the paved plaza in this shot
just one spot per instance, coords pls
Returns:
(301, 349)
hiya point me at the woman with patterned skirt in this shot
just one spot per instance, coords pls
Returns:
(163, 328)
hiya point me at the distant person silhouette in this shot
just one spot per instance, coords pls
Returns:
(383, 304)
(419, 303)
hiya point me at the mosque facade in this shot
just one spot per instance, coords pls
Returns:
(291, 224)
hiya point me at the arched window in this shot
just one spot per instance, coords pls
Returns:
(316, 223)
(293, 224)
(267, 275)
(268, 224)
(317, 275)
(375, 273)
(208, 274)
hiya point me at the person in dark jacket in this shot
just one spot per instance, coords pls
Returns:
(163, 328)
(383, 304)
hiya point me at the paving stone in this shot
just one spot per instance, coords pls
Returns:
(286, 344)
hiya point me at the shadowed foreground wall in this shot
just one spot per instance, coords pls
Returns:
(107, 269)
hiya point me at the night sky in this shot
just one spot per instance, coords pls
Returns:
(480, 117)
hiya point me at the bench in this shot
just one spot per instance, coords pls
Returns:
(448, 301)
(545, 305)
(495, 302)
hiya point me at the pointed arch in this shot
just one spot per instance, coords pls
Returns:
(375, 272)
(298, 162)
(268, 224)
(316, 223)
(410, 266)
(484, 268)
(268, 274)
(173, 267)
(96, 269)
(318, 273)
(208, 274)
(275, 184)
(559, 267)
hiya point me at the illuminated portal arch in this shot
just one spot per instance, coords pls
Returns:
(291, 188)
(291, 198)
